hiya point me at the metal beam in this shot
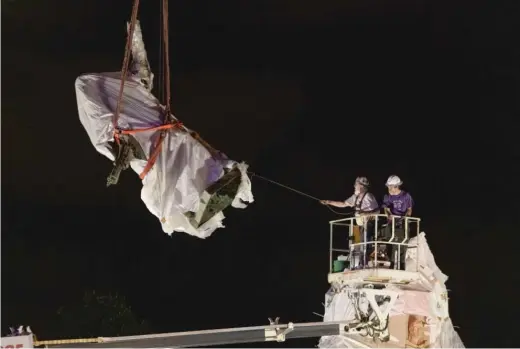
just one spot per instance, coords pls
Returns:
(207, 338)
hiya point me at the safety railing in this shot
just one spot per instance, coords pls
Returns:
(374, 222)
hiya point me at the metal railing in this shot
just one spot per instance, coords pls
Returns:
(362, 247)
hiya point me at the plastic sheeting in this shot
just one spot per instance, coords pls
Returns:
(410, 305)
(184, 167)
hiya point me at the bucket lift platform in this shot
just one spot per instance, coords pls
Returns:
(401, 304)
(375, 272)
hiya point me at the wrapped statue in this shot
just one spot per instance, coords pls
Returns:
(186, 183)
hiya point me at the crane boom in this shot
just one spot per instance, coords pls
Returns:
(206, 338)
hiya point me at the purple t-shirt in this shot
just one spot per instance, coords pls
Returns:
(398, 204)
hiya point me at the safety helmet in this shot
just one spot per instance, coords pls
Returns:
(393, 180)
(363, 181)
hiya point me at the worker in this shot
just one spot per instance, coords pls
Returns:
(364, 204)
(397, 204)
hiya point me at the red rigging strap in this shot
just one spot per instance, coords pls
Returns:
(158, 145)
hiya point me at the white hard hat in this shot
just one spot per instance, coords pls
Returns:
(393, 180)
(363, 181)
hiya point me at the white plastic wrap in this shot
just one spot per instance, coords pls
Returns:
(426, 260)
(184, 167)
(433, 306)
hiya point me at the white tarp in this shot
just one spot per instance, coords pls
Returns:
(184, 167)
(410, 305)
(13, 342)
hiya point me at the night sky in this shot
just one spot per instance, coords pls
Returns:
(310, 94)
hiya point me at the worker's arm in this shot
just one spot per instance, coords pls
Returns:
(347, 203)
(386, 206)
(409, 203)
(336, 203)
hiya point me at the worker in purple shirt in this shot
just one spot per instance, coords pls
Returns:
(396, 203)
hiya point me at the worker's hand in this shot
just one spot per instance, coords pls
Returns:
(390, 218)
(324, 202)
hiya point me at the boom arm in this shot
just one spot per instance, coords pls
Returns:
(207, 338)
(372, 321)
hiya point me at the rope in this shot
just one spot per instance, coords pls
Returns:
(205, 144)
(286, 187)
(298, 192)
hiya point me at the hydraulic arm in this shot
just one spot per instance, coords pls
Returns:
(206, 338)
